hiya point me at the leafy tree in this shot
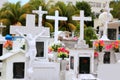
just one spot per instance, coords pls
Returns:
(87, 11)
(84, 6)
(116, 9)
(67, 11)
(12, 14)
(89, 35)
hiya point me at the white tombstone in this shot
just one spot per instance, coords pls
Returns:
(10, 63)
(40, 13)
(33, 30)
(77, 57)
(81, 42)
(56, 18)
(39, 68)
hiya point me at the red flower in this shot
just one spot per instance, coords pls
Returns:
(96, 54)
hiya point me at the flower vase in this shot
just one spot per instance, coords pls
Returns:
(55, 56)
(100, 49)
(63, 64)
(116, 50)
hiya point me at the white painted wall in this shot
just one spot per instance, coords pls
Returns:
(109, 72)
(7, 69)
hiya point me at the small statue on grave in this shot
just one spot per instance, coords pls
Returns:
(31, 52)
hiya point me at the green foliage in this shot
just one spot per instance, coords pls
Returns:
(116, 9)
(89, 35)
(84, 6)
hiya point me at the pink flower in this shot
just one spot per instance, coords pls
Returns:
(75, 38)
(96, 54)
(108, 47)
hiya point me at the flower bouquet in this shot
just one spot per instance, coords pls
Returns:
(8, 45)
(63, 53)
(54, 47)
(99, 45)
(116, 46)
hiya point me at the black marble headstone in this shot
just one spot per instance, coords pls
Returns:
(112, 34)
(1, 50)
(84, 65)
(71, 62)
(106, 59)
(40, 49)
(18, 70)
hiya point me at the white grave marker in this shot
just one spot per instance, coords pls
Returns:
(82, 18)
(40, 13)
(56, 18)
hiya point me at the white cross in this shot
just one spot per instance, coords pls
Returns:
(56, 18)
(30, 27)
(82, 19)
(40, 13)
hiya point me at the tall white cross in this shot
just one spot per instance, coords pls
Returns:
(56, 18)
(82, 18)
(108, 9)
(40, 14)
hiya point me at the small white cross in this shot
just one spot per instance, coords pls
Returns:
(56, 18)
(82, 18)
(40, 13)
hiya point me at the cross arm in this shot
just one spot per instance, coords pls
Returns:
(39, 34)
(17, 31)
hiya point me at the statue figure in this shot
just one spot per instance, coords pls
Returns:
(31, 52)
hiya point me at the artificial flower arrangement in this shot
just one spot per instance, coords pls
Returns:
(115, 46)
(54, 47)
(99, 45)
(63, 53)
(8, 45)
(75, 38)
(96, 54)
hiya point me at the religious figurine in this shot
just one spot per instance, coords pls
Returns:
(31, 52)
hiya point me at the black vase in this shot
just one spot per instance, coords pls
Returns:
(116, 50)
